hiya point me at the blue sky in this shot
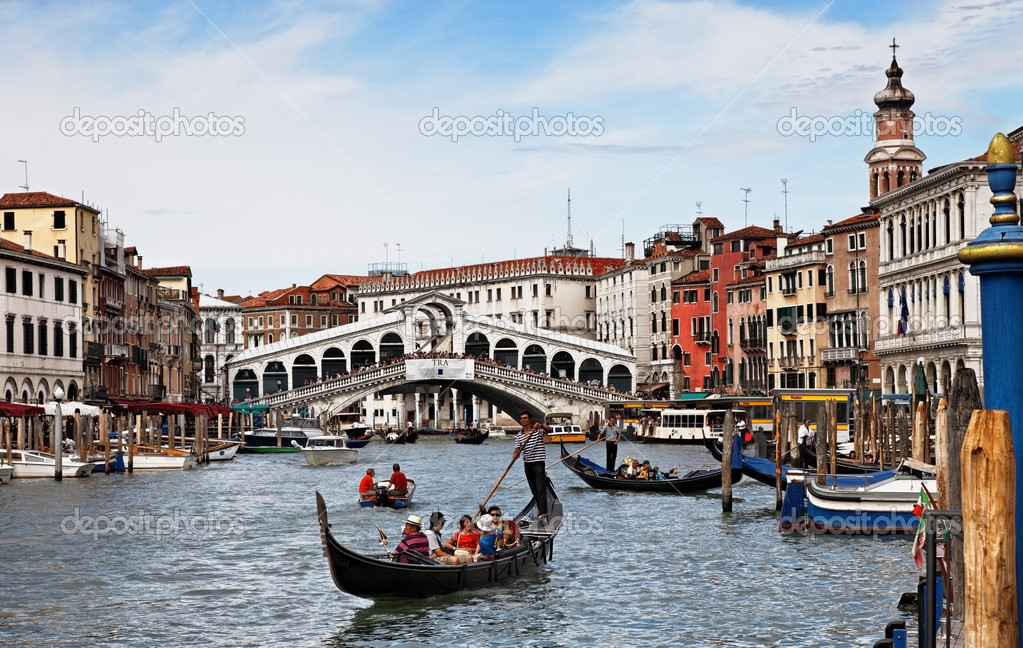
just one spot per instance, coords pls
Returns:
(670, 104)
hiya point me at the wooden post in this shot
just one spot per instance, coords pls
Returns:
(220, 426)
(989, 495)
(821, 438)
(277, 415)
(941, 450)
(918, 452)
(833, 436)
(7, 434)
(875, 424)
(964, 398)
(104, 431)
(726, 464)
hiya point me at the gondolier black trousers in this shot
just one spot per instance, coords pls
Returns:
(612, 455)
(536, 477)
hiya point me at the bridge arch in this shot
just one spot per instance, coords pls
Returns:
(477, 345)
(334, 362)
(591, 372)
(506, 352)
(275, 377)
(303, 370)
(391, 346)
(563, 365)
(534, 358)
(619, 377)
(363, 354)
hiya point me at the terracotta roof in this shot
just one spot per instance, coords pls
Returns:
(32, 199)
(698, 276)
(751, 232)
(710, 221)
(328, 280)
(14, 247)
(131, 250)
(567, 265)
(983, 158)
(169, 271)
(859, 219)
(807, 240)
(748, 280)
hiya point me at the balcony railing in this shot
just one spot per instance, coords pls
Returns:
(840, 354)
(701, 338)
(173, 350)
(788, 291)
(753, 344)
(157, 392)
(790, 362)
(94, 351)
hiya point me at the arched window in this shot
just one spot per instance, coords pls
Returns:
(229, 331)
(961, 206)
(852, 277)
(731, 332)
(947, 213)
(829, 278)
(863, 276)
(902, 234)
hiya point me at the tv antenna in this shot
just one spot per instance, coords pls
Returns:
(25, 186)
(699, 209)
(785, 192)
(745, 215)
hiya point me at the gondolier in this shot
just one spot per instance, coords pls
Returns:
(612, 435)
(529, 444)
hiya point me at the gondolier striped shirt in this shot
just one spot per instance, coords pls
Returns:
(534, 449)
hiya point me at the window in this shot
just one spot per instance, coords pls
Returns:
(58, 340)
(323, 321)
(549, 289)
(72, 341)
(43, 331)
(12, 280)
(42, 286)
(715, 273)
(229, 331)
(862, 240)
(260, 320)
(294, 320)
(28, 340)
(10, 334)
(58, 289)
(735, 246)
(72, 291)
(252, 322)
(8, 221)
(58, 220)
(852, 241)
(26, 283)
(308, 321)
(829, 246)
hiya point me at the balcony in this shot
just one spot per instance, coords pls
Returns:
(94, 351)
(795, 260)
(841, 354)
(113, 304)
(788, 291)
(790, 363)
(116, 352)
(173, 350)
(753, 344)
(701, 337)
(157, 392)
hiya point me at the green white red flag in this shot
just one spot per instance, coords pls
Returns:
(924, 502)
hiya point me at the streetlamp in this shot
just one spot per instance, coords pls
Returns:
(57, 437)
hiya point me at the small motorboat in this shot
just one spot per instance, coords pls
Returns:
(562, 429)
(160, 458)
(329, 450)
(295, 428)
(380, 496)
(35, 463)
(223, 449)
(5, 474)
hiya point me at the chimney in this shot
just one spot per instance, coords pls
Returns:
(61, 249)
(777, 226)
(138, 262)
(28, 240)
(220, 293)
(630, 253)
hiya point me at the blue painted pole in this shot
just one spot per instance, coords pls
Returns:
(996, 256)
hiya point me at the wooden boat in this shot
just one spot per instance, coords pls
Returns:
(223, 449)
(378, 577)
(597, 476)
(762, 470)
(405, 436)
(27, 464)
(871, 507)
(474, 437)
(842, 466)
(161, 458)
(329, 450)
(562, 429)
(379, 496)
(6, 472)
(359, 442)
(295, 428)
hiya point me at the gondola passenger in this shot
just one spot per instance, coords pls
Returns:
(413, 542)
(437, 549)
(465, 542)
(488, 538)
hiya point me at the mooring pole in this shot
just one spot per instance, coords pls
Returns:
(996, 256)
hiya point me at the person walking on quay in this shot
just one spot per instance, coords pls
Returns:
(611, 435)
(529, 444)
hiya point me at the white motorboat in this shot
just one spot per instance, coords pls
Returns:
(5, 474)
(328, 451)
(162, 458)
(34, 463)
(221, 450)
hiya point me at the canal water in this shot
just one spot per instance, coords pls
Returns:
(230, 555)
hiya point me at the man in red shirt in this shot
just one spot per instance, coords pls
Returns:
(366, 486)
(399, 483)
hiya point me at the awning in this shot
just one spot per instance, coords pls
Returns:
(251, 408)
(650, 388)
(68, 408)
(17, 409)
(692, 396)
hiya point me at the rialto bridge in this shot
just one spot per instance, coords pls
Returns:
(438, 365)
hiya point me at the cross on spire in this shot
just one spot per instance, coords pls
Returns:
(893, 46)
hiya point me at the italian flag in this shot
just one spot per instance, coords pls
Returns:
(922, 503)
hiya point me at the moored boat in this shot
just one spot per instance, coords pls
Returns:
(380, 497)
(329, 450)
(472, 437)
(223, 450)
(378, 577)
(597, 476)
(295, 428)
(161, 458)
(35, 464)
(5, 474)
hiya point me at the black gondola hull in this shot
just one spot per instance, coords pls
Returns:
(696, 481)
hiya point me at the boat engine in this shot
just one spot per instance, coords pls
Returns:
(381, 493)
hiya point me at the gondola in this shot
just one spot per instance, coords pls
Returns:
(842, 466)
(474, 437)
(596, 476)
(377, 577)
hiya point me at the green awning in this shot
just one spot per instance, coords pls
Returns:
(251, 408)
(694, 396)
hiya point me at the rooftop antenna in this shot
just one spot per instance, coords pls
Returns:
(745, 215)
(699, 209)
(785, 192)
(25, 186)
(386, 259)
(569, 242)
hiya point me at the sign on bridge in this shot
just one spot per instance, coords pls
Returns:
(446, 368)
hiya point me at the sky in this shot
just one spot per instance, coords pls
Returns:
(267, 143)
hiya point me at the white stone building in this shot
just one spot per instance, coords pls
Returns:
(42, 341)
(221, 340)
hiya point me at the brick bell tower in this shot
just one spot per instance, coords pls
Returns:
(895, 160)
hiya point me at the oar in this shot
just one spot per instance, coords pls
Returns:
(560, 460)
